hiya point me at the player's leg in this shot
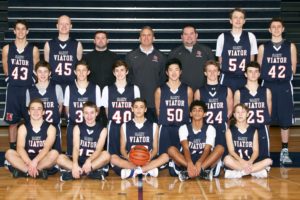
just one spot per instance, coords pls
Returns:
(49, 160)
(101, 161)
(235, 168)
(70, 127)
(213, 157)
(57, 143)
(65, 164)
(260, 169)
(264, 142)
(151, 168)
(15, 160)
(177, 156)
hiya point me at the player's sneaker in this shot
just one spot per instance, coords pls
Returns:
(183, 176)
(206, 174)
(233, 174)
(43, 174)
(152, 172)
(65, 175)
(53, 170)
(260, 174)
(97, 174)
(17, 173)
(217, 169)
(128, 173)
(284, 156)
(8, 166)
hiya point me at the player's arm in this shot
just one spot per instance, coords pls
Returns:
(47, 52)
(76, 170)
(260, 54)
(230, 146)
(197, 95)
(60, 97)
(269, 101)
(36, 56)
(79, 51)
(5, 59)
(219, 47)
(123, 142)
(67, 100)
(98, 97)
(255, 148)
(253, 46)
(157, 96)
(21, 141)
(190, 95)
(294, 57)
(155, 141)
(229, 101)
(237, 97)
(104, 99)
(51, 135)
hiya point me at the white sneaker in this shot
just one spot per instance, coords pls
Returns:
(233, 174)
(152, 172)
(260, 174)
(284, 156)
(128, 173)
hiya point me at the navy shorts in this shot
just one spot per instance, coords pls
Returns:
(264, 142)
(113, 139)
(233, 82)
(168, 136)
(220, 134)
(57, 143)
(70, 128)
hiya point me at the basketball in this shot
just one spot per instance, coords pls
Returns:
(139, 155)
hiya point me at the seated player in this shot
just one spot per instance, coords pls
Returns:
(243, 148)
(75, 95)
(138, 131)
(52, 96)
(35, 139)
(88, 157)
(195, 157)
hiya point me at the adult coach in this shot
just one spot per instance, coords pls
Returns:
(18, 59)
(278, 60)
(63, 53)
(193, 56)
(146, 69)
(235, 49)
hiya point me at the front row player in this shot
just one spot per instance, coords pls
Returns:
(243, 148)
(197, 139)
(35, 139)
(138, 131)
(88, 157)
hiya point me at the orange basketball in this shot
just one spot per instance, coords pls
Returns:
(139, 155)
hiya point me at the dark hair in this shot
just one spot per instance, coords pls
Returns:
(36, 100)
(188, 26)
(237, 10)
(200, 103)
(42, 63)
(253, 64)
(103, 32)
(276, 19)
(173, 61)
(21, 21)
(82, 62)
(90, 104)
(119, 63)
(139, 100)
(211, 62)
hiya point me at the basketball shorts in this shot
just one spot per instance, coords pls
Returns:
(233, 82)
(168, 136)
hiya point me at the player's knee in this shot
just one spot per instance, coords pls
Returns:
(219, 149)
(9, 153)
(227, 159)
(105, 155)
(60, 159)
(114, 159)
(171, 150)
(269, 161)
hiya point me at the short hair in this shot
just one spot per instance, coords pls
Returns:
(211, 62)
(200, 103)
(21, 21)
(147, 28)
(237, 10)
(139, 100)
(119, 63)
(276, 19)
(90, 104)
(36, 100)
(102, 32)
(253, 64)
(42, 63)
(82, 62)
(189, 26)
(241, 105)
(173, 61)
(64, 16)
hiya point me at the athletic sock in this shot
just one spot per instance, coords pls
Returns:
(13, 145)
(285, 145)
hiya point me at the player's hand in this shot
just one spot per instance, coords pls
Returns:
(87, 167)
(76, 171)
(198, 166)
(192, 171)
(32, 168)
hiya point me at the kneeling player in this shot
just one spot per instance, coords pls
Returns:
(88, 157)
(243, 148)
(197, 140)
(34, 142)
(138, 131)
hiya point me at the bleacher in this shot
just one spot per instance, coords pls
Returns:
(123, 20)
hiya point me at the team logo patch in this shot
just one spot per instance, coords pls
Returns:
(198, 54)
(155, 59)
(9, 116)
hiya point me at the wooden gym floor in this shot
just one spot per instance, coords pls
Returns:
(283, 183)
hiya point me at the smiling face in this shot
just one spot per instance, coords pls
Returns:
(64, 24)
(146, 37)
(139, 109)
(197, 113)
(173, 72)
(100, 41)
(189, 36)
(90, 114)
(82, 72)
(43, 74)
(120, 72)
(20, 31)
(36, 110)
(276, 29)
(237, 19)
(212, 73)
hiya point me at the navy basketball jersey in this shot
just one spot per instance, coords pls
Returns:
(215, 97)
(197, 140)
(77, 100)
(20, 65)
(89, 137)
(257, 104)
(276, 63)
(49, 99)
(62, 59)
(139, 136)
(243, 142)
(35, 140)
(235, 55)
(174, 108)
(119, 104)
